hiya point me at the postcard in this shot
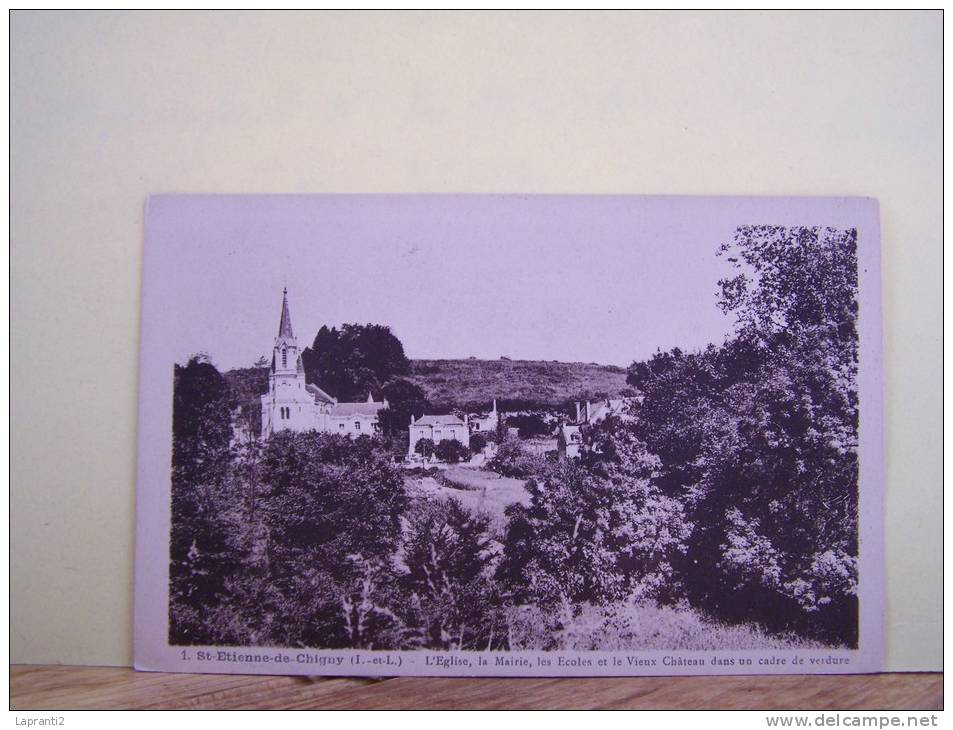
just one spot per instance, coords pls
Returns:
(507, 435)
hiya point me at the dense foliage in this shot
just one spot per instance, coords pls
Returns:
(531, 425)
(513, 460)
(758, 438)
(478, 442)
(355, 359)
(451, 451)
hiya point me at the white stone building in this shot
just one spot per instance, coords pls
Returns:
(437, 429)
(295, 405)
(589, 412)
(569, 440)
(569, 436)
(486, 423)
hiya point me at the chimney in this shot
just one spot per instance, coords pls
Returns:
(412, 419)
(588, 411)
(578, 412)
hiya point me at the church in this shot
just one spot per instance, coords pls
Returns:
(293, 404)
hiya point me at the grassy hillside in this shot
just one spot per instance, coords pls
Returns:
(473, 384)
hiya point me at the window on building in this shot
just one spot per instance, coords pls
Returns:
(357, 425)
(284, 358)
(476, 426)
(453, 433)
(437, 434)
(341, 426)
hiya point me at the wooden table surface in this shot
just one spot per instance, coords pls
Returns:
(64, 688)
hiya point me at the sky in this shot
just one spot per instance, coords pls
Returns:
(606, 279)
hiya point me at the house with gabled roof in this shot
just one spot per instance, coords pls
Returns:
(437, 429)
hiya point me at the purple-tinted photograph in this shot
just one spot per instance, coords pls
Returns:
(484, 430)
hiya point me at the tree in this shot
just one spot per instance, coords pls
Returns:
(795, 300)
(451, 451)
(424, 447)
(351, 361)
(404, 400)
(591, 537)
(758, 437)
(530, 425)
(452, 603)
(246, 386)
(477, 442)
(201, 557)
(330, 510)
(201, 422)
(512, 460)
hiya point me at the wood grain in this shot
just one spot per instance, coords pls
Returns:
(65, 688)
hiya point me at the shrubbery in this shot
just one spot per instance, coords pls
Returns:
(478, 442)
(451, 451)
(513, 460)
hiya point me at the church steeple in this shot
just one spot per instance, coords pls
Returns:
(286, 355)
(284, 326)
(288, 404)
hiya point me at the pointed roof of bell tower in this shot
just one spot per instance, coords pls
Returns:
(284, 327)
(286, 335)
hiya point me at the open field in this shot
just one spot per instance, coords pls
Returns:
(476, 489)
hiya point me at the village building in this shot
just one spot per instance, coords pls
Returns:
(437, 429)
(592, 413)
(487, 423)
(569, 435)
(295, 405)
(569, 440)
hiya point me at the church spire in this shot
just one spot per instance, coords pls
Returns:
(284, 327)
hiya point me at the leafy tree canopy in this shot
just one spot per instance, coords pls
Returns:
(350, 361)
(451, 451)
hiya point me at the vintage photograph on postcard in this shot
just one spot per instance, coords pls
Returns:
(510, 435)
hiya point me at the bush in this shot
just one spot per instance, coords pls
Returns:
(424, 447)
(530, 425)
(452, 603)
(512, 460)
(587, 537)
(451, 451)
(477, 442)
(299, 550)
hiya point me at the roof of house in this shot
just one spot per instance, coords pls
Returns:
(447, 420)
(345, 410)
(569, 433)
(319, 395)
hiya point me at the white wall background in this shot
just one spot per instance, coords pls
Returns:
(108, 107)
